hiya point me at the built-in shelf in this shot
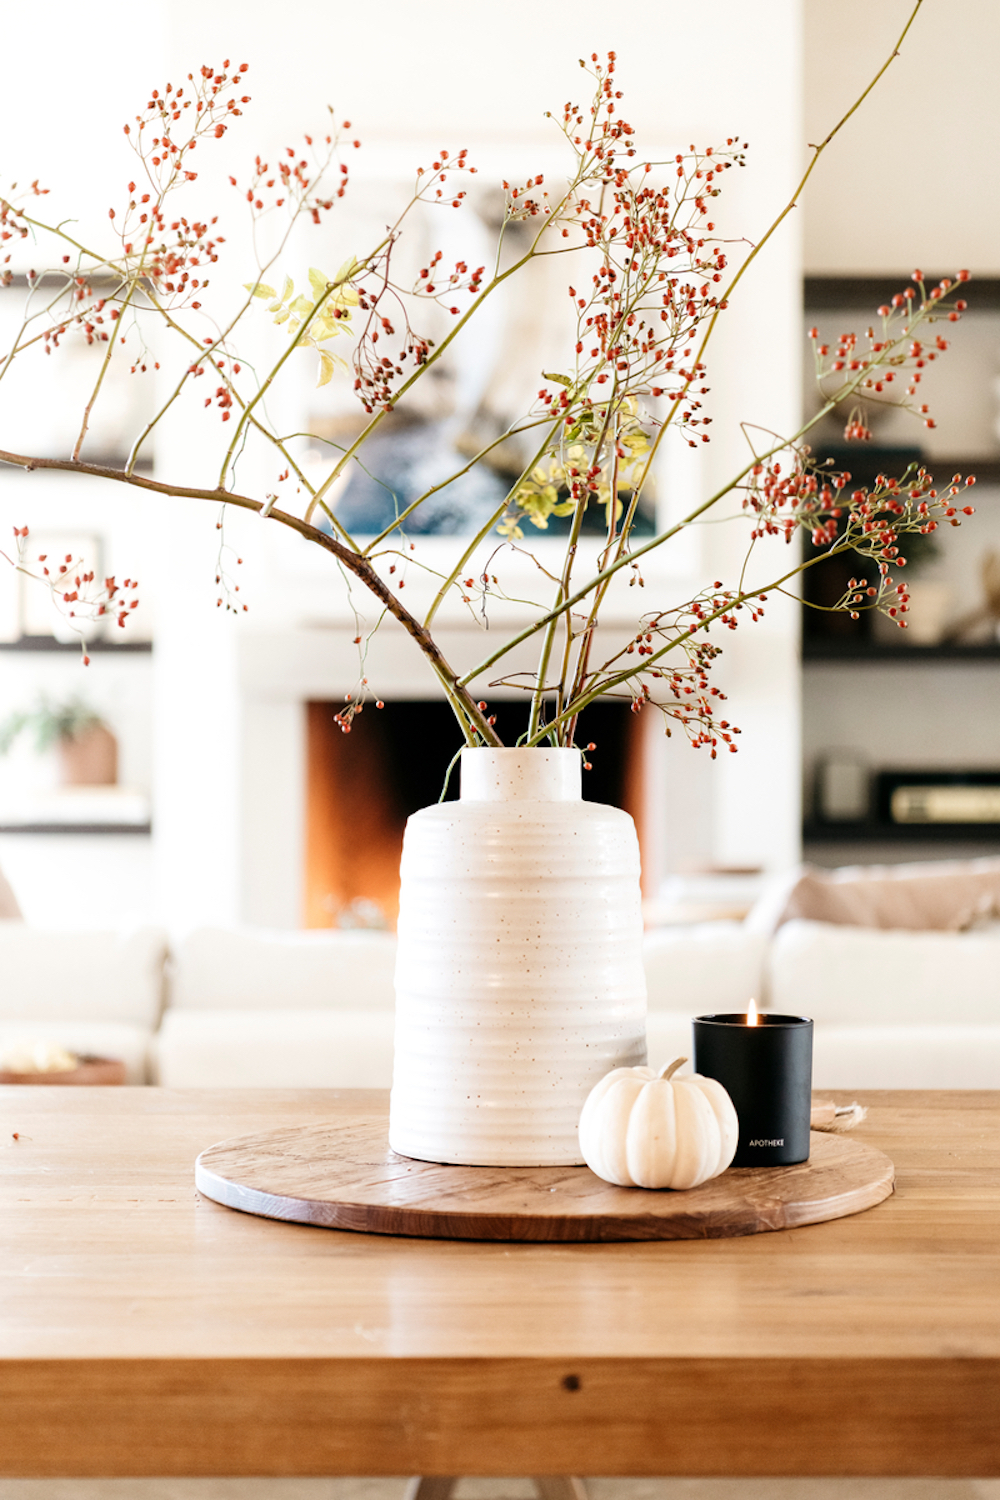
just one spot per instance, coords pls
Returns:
(985, 470)
(49, 643)
(873, 832)
(849, 292)
(864, 463)
(834, 650)
(78, 809)
(90, 828)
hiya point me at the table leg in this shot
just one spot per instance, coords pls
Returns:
(433, 1487)
(549, 1487)
(559, 1487)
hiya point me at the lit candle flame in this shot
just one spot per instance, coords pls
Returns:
(752, 1014)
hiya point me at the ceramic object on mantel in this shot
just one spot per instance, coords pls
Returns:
(89, 758)
(519, 976)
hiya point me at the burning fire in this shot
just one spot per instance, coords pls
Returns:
(752, 1014)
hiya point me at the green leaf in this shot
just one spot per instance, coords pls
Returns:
(258, 289)
(559, 379)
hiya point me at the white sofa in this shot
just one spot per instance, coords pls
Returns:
(892, 1009)
(279, 1009)
(90, 992)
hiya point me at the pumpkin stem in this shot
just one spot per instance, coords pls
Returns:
(671, 1068)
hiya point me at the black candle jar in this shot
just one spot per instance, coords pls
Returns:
(766, 1069)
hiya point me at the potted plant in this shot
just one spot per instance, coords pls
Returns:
(86, 747)
(519, 978)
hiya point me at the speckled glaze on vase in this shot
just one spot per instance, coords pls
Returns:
(519, 977)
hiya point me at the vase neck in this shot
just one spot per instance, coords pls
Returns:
(521, 775)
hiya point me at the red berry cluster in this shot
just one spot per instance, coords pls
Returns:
(73, 587)
(889, 368)
(378, 374)
(638, 323)
(296, 183)
(684, 695)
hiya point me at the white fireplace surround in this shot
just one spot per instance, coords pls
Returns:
(231, 701)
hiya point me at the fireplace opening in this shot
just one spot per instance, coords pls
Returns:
(361, 788)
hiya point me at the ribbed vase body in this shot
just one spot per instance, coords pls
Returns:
(519, 977)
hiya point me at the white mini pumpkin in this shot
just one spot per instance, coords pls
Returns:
(644, 1129)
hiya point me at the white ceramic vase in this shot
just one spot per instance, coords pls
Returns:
(519, 977)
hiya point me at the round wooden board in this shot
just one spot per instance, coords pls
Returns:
(344, 1176)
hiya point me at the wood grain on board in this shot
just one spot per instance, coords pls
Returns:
(344, 1176)
(148, 1331)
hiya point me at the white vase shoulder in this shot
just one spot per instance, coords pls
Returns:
(519, 978)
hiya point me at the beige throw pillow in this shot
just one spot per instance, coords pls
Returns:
(943, 896)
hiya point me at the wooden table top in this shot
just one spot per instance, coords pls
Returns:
(146, 1330)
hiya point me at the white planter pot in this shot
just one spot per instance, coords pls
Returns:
(519, 977)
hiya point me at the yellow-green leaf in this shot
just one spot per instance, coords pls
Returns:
(301, 306)
(282, 316)
(287, 289)
(258, 289)
(347, 270)
(327, 365)
(318, 282)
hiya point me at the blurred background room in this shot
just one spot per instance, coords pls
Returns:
(192, 775)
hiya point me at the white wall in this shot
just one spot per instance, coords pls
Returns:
(912, 181)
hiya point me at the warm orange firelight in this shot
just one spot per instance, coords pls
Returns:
(752, 1014)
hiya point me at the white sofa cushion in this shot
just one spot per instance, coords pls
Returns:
(668, 1035)
(81, 976)
(710, 966)
(254, 969)
(705, 968)
(129, 1044)
(275, 1049)
(906, 1057)
(843, 975)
